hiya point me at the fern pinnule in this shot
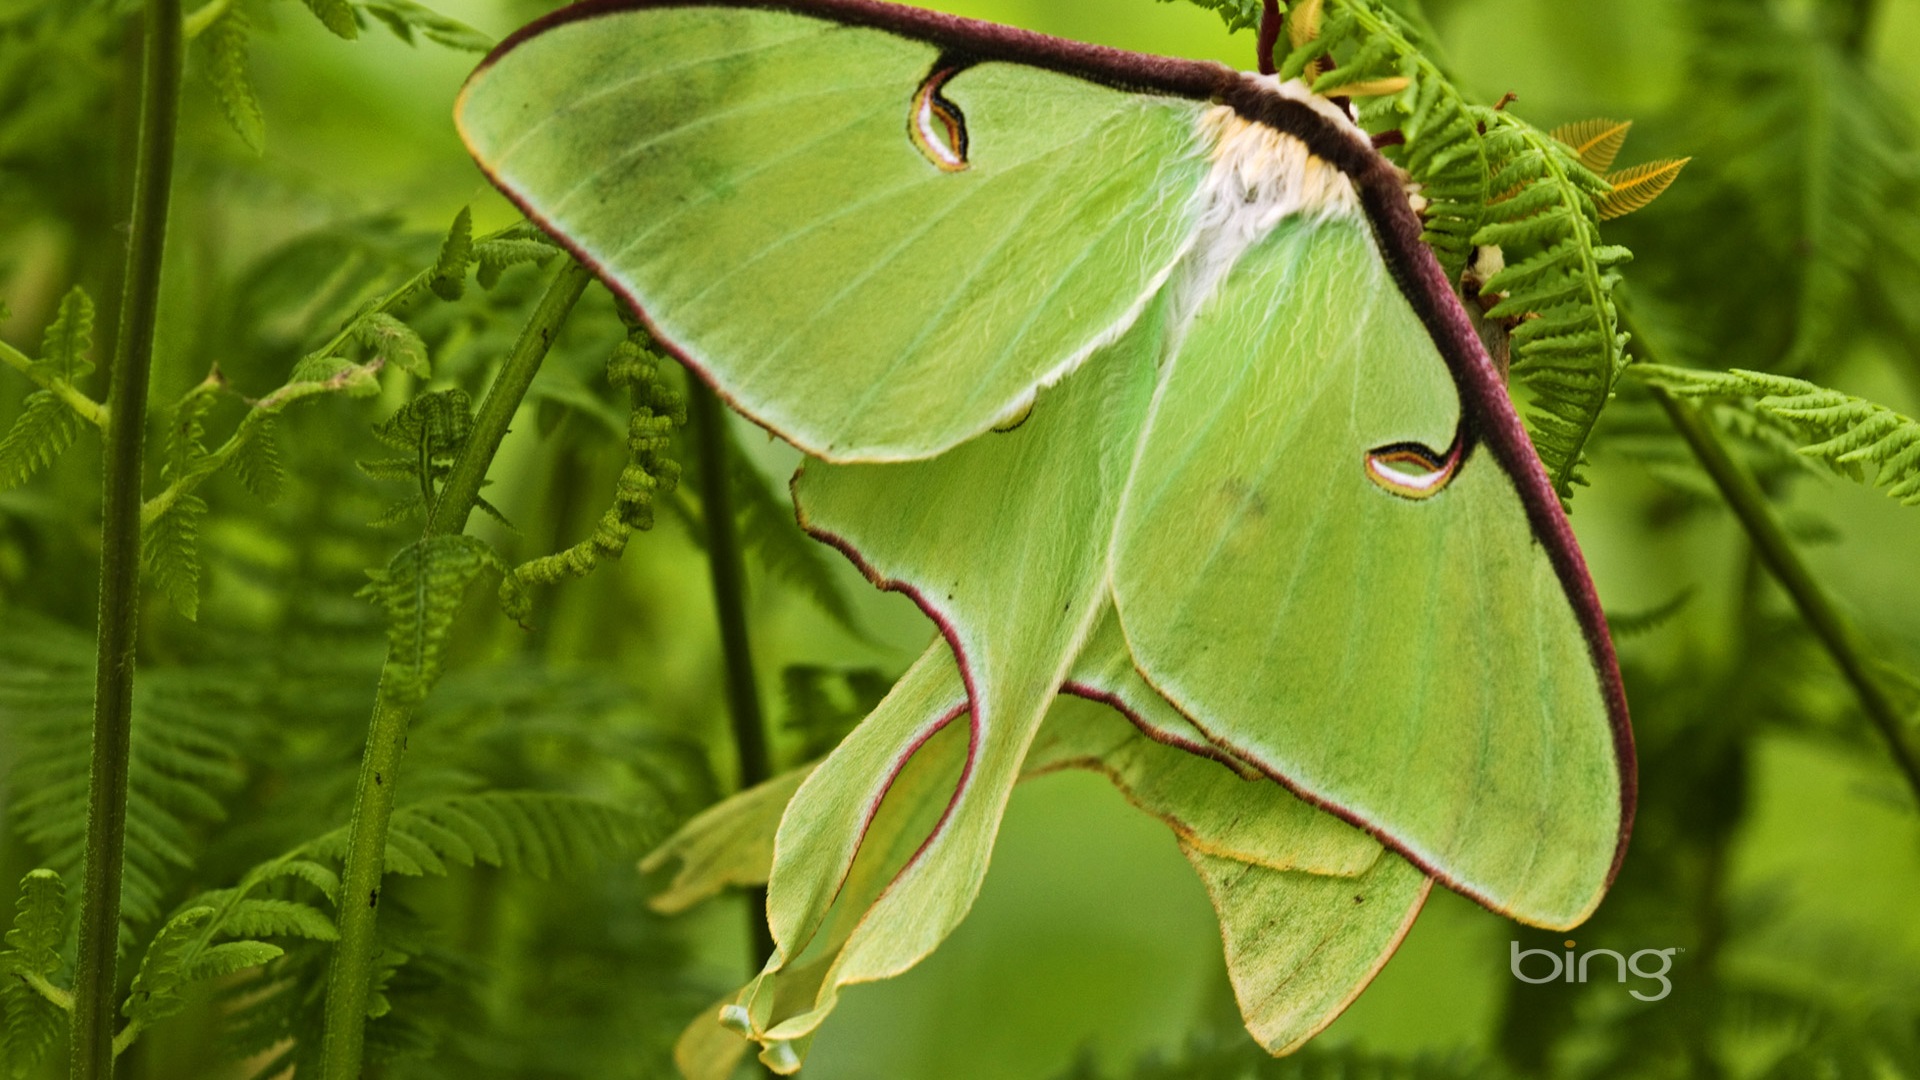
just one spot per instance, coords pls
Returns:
(1637, 186)
(31, 1004)
(1843, 432)
(1595, 142)
(228, 70)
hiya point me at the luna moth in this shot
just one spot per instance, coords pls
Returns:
(1135, 375)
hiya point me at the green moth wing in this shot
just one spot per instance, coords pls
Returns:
(1261, 427)
(1363, 609)
(870, 245)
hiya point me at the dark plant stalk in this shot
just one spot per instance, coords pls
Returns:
(726, 567)
(350, 975)
(1749, 504)
(95, 979)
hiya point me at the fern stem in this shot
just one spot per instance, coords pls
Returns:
(350, 975)
(726, 567)
(462, 488)
(204, 16)
(276, 402)
(83, 406)
(94, 975)
(1822, 614)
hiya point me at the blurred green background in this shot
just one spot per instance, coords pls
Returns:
(1776, 846)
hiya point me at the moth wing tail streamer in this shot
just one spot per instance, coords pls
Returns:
(875, 246)
(1420, 663)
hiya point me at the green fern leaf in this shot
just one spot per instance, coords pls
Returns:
(1842, 432)
(422, 589)
(163, 970)
(539, 833)
(404, 18)
(335, 15)
(257, 464)
(1551, 281)
(187, 735)
(449, 275)
(66, 348)
(172, 553)
(39, 923)
(29, 1020)
(651, 470)
(42, 432)
(216, 961)
(497, 255)
(257, 917)
(1237, 14)
(394, 342)
(227, 68)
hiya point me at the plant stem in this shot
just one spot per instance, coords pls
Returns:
(350, 975)
(83, 406)
(95, 979)
(1749, 505)
(462, 488)
(726, 567)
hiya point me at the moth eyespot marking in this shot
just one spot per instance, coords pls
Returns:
(935, 125)
(1413, 471)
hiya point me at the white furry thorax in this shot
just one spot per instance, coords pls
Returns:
(1258, 178)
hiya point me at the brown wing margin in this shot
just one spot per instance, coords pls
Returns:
(1487, 412)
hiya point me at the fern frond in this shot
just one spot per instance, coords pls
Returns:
(186, 740)
(335, 15)
(421, 590)
(43, 431)
(156, 991)
(1555, 289)
(825, 703)
(495, 256)
(539, 833)
(394, 342)
(1594, 142)
(404, 18)
(448, 279)
(1237, 14)
(1842, 432)
(651, 470)
(1635, 187)
(227, 69)
(30, 1004)
(67, 346)
(257, 462)
(171, 552)
(1366, 49)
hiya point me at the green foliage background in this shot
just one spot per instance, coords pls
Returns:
(1776, 844)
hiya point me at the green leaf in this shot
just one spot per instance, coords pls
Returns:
(257, 917)
(335, 15)
(1237, 14)
(216, 961)
(163, 973)
(1843, 432)
(29, 1021)
(394, 342)
(449, 276)
(65, 349)
(227, 68)
(404, 17)
(495, 256)
(39, 923)
(421, 590)
(257, 463)
(172, 553)
(43, 431)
